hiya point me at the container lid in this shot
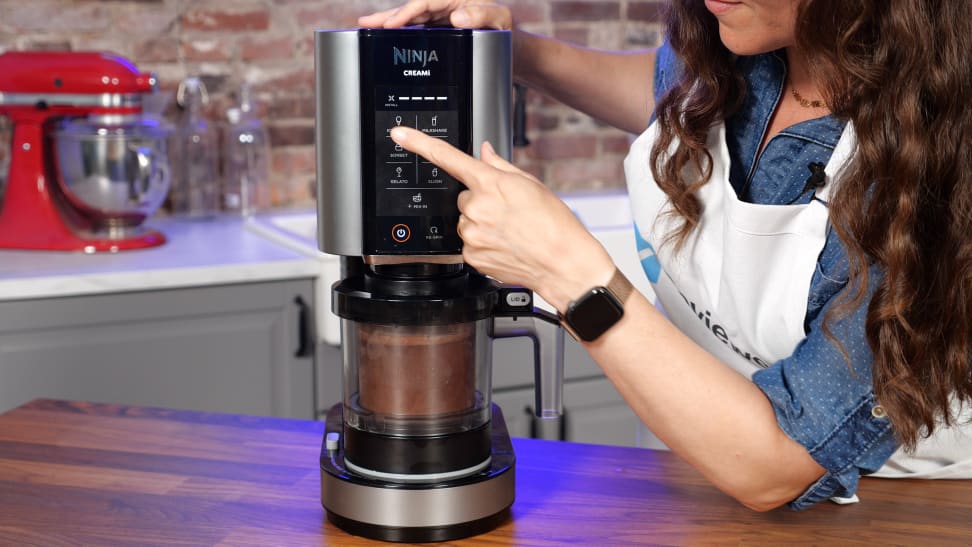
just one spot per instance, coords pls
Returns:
(368, 298)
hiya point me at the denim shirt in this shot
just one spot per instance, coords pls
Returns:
(821, 400)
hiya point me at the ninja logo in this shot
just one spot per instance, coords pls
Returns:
(413, 56)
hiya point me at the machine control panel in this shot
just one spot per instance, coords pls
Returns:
(423, 81)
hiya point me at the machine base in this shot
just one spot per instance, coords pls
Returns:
(420, 534)
(392, 511)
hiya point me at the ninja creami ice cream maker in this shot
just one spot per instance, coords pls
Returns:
(416, 451)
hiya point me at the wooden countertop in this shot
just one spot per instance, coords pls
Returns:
(94, 474)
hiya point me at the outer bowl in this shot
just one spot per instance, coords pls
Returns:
(114, 175)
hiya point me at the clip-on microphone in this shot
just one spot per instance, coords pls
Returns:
(816, 180)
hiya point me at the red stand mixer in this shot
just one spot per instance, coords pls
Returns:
(86, 168)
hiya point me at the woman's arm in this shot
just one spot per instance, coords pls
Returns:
(614, 87)
(713, 417)
(516, 230)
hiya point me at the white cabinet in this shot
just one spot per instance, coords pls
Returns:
(594, 412)
(247, 348)
(244, 348)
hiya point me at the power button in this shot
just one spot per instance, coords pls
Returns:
(401, 233)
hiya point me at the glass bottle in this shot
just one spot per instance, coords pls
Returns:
(246, 157)
(195, 174)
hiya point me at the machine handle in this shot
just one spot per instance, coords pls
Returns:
(520, 139)
(516, 316)
(304, 347)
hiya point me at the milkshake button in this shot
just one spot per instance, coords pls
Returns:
(401, 233)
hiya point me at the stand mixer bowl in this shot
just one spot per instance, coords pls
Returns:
(113, 170)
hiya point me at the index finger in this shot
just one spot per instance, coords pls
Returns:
(460, 165)
(377, 19)
(413, 12)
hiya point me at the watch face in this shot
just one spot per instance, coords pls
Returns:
(593, 314)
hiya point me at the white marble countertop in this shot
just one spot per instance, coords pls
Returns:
(197, 252)
(276, 245)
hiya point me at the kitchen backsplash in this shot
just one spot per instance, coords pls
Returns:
(269, 44)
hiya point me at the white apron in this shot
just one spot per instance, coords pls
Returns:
(739, 286)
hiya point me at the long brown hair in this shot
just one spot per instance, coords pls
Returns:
(901, 71)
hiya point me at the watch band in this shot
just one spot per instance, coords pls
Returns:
(619, 286)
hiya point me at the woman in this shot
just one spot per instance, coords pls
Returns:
(803, 205)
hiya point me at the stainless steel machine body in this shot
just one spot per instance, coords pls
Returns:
(416, 451)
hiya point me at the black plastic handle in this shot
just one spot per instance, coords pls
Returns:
(520, 139)
(514, 316)
(304, 346)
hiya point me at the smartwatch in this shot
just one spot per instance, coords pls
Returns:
(598, 309)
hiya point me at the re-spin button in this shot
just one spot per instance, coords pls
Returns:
(401, 233)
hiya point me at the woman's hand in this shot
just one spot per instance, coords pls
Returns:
(513, 227)
(458, 13)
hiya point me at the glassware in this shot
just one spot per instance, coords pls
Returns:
(246, 157)
(195, 174)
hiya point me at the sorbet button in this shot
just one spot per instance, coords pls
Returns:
(878, 411)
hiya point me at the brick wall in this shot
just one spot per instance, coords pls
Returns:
(269, 43)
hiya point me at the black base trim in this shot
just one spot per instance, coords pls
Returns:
(417, 455)
(420, 534)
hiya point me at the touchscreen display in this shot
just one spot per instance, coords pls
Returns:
(407, 184)
(420, 79)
